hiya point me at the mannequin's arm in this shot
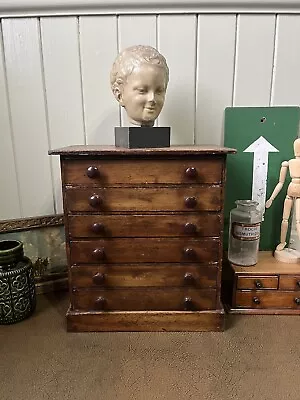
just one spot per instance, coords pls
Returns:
(278, 187)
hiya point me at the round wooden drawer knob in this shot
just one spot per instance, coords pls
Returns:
(99, 278)
(297, 300)
(95, 200)
(190, 202)
(258, 284)
(97, 227)
(189, 253)
(188, 303)
(99, 254)
(256, 300)
(191, 172)
(100, 303)
(298, 284)
(190, 228)
(92, 172)
(189, 278)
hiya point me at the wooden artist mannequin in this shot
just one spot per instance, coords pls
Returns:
(293, 196)
(139, 80)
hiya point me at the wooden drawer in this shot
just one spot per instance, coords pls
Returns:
(111, 172)
(144, 299)
(289, 282)
(124, 225)
(206, 250)
(257, 282)
(144, 275)
(204, 198)
(267, 299)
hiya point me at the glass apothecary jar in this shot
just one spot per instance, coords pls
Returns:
(244, 233)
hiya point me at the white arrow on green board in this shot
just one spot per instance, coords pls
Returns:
(261, 149)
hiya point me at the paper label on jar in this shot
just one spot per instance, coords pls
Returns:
(245, 231)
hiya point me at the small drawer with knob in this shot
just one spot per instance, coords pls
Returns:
(144, 250)
(137, 299)
(139, 199)
(267, 299)
(289, 282)
(168, 171)
(257, 282)
(144, 275)
(137, 225)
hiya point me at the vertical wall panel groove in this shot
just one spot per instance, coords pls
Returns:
(235, 58)
(254, 60)
(26, 93)
(274, 60)
(287, 63)
(46, 113)
(196, 79)
(118, 51)
(156, 31)
(10, 206)
(98, 47)
(236, 46)
(63, 88)
(81, 82)
(177, 42)
(216, 43)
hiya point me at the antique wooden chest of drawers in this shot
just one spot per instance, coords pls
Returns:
(269, 287)
(144, 237)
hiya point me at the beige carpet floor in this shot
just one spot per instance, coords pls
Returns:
(257, 357)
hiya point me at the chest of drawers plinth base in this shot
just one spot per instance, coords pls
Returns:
(144, 232)
(138, 321)
(269, 287)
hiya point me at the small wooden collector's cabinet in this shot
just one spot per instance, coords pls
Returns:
(144, 237)
(269, 287)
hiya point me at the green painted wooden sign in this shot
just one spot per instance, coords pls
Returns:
(264, 139)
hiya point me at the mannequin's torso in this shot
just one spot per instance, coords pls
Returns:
(294, 186)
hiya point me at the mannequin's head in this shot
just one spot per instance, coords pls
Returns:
(297, 147)
(139, 80)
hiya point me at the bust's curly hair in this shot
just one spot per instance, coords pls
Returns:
(133, 57)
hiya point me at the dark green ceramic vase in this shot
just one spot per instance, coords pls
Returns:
(17, 289)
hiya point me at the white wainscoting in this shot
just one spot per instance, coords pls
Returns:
(54, 84)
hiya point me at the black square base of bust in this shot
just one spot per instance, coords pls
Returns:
(133, 137)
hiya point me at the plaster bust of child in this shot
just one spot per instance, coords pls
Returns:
(139, 80)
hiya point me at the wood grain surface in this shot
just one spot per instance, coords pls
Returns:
(267, 299)
(137, 225)
(111, 172)
(257, 282)
(144, 299)
(207, 198)
(140, 250)
(146, 321)
(147, 275)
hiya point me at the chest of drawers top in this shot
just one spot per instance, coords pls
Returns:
(111, 166)
(95, 150)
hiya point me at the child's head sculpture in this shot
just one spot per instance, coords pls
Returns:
(139, 80)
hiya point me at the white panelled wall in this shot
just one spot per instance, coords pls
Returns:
(55, 91)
